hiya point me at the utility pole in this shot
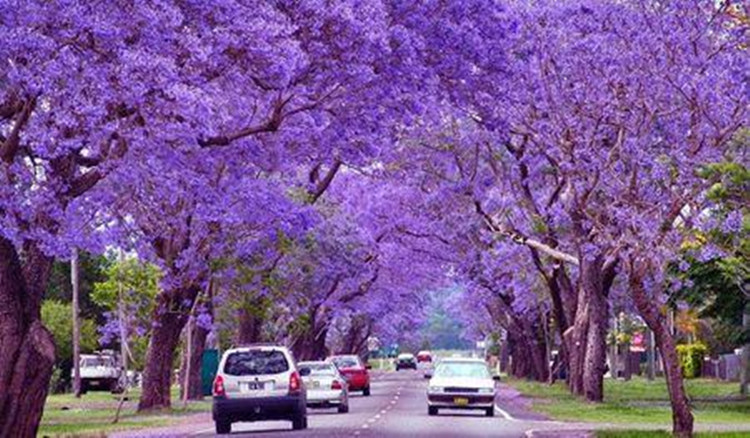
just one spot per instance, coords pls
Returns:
(76, 326)
(124, 350)
(651, 342)
(123, 324)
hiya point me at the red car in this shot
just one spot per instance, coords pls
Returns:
(354, 371)
(424, 356)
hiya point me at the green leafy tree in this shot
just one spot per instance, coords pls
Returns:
(92, 269)
(57, 317)
(136, 283)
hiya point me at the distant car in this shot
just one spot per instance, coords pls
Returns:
(424, 356)
(326, 387)
(406, 360)
(100, 372)
(461, 384)
(257, 383)
(351, 367)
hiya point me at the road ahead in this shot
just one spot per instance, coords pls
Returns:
(396, 408)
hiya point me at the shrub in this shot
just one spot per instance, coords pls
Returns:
(691, 359)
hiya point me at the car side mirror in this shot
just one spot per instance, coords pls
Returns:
(496, 377)
(304, 371)
(368, 367)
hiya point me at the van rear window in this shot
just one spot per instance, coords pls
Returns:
(255, 362)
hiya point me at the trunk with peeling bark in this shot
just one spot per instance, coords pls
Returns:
(575, 340)
(682, 417)
(596, 343)
(28, 350)
(586, 343)
(170, 318)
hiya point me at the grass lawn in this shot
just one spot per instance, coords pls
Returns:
(92, 414)
(663, 434)
(638, 401)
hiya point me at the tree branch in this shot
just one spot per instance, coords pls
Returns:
(520, 239)
(10, 146)
(325, 182)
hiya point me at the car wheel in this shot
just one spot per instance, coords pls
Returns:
(490, 412)
(343, 409)
(432, 410)
(223, 427)
(366, 391)
(299, 422)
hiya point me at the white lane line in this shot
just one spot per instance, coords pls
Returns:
(365, 426)
(504, 413)
(382, 411)
(376, 416)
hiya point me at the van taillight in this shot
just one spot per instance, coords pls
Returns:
(295, 384)
(337, 385)
(219, 390)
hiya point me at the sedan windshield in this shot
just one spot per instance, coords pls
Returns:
(346, 362)
(475, 370)
(319, 368)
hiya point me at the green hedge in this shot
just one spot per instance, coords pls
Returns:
(691, 359)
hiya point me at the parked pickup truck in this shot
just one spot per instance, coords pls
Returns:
(100, 372)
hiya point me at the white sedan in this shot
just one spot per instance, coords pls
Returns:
(326, 387)
(461, 383)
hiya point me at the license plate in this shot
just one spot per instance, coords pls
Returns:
(461, 401)
(251, 386)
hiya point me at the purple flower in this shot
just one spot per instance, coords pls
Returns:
(205, 321)
(732, 223)
(684, 265)
(709, 252)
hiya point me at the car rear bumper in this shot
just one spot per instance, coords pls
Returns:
(259, 408)
(357, 382)
(407, 365)
(456, 401)
(325, 397)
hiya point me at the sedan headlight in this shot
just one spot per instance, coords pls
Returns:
(486, 390)
(435, 389)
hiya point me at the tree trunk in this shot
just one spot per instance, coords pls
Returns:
(596, 341)
(28, 350)
(250, 325)
(170, 317)
(575, 339)
(682, 417)
(745, 370)
(194, 380)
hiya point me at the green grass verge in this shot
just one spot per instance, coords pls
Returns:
(638, 401)
(385, 364)
(92, 414)
(662, 433)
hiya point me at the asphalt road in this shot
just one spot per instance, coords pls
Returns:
(396, 408)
